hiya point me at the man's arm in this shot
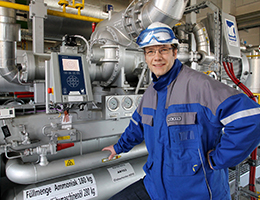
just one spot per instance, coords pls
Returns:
(132, 136)
(240, 117)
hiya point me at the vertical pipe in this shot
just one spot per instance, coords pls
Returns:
(9, 34)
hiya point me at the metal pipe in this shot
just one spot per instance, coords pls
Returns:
(72, 16)
(141, 79)
(9, 34)
(203, 44)
(27, 173)
(50, 12)
(47, 85)
(105, 184)
(253, 56)
(14, 6)
(202, 38)
(166, 11)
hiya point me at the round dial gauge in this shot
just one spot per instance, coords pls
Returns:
(127, 103)
(112, 104)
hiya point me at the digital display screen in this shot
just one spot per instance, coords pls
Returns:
(70, 65)
(72, 75)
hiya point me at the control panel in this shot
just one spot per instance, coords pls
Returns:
(70, 79)
(120, 106)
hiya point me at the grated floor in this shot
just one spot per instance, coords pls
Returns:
(244, 180)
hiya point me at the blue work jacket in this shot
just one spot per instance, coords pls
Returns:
(182, 116)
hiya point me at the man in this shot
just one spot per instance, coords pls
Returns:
(194, 128)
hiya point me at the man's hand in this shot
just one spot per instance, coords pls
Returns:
(111, 149)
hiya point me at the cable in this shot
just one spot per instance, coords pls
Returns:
(86, 47)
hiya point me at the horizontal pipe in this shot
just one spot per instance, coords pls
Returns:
(28, 173)
(14, 6)
(105, 183)
(49, 12)
(72, 16)
(252, 56)
(24, 96)
(23, 93)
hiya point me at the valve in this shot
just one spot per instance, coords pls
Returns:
(64, 146)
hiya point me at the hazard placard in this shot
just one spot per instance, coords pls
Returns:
(69, 162)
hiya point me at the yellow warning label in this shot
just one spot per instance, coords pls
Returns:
(64, 137)
(114, 158)
(69, 162)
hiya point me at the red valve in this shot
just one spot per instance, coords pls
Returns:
(93, 26)
(50, 91)
(64, 146)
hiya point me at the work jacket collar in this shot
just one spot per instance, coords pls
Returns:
(164, 80)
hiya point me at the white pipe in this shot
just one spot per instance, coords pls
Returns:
(28, 173)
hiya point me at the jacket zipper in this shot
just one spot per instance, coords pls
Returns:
(204, 171)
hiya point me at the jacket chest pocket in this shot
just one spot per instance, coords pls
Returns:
(182, 127)
(148, 120)
(183, 154)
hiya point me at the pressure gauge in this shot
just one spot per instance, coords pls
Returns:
(127, 103)
(112, 103)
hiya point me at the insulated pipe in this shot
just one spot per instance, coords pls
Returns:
(33, 66)
(202, 38)
(166, 11)
(28, 173)
(8, 37)
(202, 42)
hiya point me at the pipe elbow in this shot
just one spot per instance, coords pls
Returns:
(21, 173)
(202, 38)
(156, 10)
(107, 70)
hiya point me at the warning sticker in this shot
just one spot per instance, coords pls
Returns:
(69, 162)
(83, 187)
(120, 172)
(63, 138)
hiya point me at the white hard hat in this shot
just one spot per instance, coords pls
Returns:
(156, 34)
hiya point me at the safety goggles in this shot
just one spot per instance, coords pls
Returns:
(161, 35)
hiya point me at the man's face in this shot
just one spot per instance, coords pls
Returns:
(160, 63)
